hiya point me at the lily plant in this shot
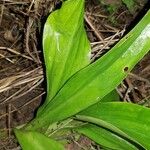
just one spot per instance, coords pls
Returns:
(81, 95)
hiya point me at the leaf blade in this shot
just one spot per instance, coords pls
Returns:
(91, 84)
(104, 137)
(36, 141)
(131, 119)
(64, 35)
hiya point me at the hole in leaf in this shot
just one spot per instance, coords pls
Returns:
(126, 69)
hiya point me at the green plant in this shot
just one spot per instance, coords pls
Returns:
(112, 6)
(130, 4)
(79, 92)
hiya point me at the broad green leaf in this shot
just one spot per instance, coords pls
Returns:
(92, 83)
(105, 138)
(129, 120)
(36, 141)
(65, 44)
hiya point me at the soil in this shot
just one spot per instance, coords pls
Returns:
(22, 82)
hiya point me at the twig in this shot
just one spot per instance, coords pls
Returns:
(7, 58)
(107, 44)
(15, 41)
(23, 81)
(126, 97)
(97, 15)
(34, 43)
(13, 95)
(30, 6)
(99, 36)
(9, 119)
(79, 145)
(139, 78)
(120, 94)
(13, 81)
(105, 41)
(9, 2)
(33, 86)
(112, 28)
(1, 15)
(16, 53)
(27, 39)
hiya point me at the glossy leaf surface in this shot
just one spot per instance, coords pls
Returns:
(91, 84)
(129, 120)
(36, 141)
(105, 138)
(65, 44)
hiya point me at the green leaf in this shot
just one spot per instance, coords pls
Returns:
(92, 83)
(105, 138)
(129, 120)
(65, 44)
(130, 4)
(111, 97)
(36, 141)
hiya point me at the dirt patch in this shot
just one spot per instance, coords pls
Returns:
(22, 85)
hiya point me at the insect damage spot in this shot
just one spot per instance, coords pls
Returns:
(126, 69)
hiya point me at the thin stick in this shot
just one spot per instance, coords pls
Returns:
(99, 36)
(30, 6)
(15, 52)
(97, 15)
(139, 78)
(27, 39)
(2, 11)
(8, 2)
(6, 58)
(34, 85)
(9, 120)
(13, 95)
(107, 44)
